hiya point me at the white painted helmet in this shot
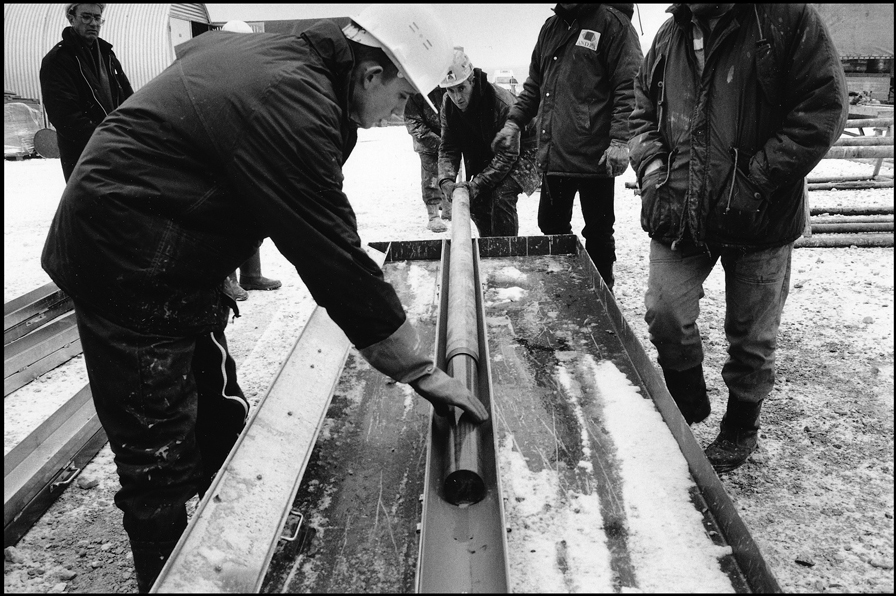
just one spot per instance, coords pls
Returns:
(236, 27)
(412, 36)
(460, 71)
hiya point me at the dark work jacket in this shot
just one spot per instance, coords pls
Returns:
(774, 98)
(580, 87)
(471, 134)
(422, 123)
(241, 138)
(71, 92)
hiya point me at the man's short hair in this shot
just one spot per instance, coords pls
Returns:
(71, 8)
(362, 52)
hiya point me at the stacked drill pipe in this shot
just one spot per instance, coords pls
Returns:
(864, 146)
(463, 483)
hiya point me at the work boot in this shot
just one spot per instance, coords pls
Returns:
(435, 222)
(738, 438)
(233, 289)
(251, 277)
(149, 558)
(731, 448)
(688, 389)
(605, 269)
(446, 210)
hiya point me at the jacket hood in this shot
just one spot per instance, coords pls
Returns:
(574, 10)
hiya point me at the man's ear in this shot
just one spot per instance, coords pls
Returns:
(370, 71)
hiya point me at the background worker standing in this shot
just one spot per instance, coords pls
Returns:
(425, 129)
(735, 105)
(81, 81)
(250, 277)
(580, 87)
(475, 111)
(242, 138)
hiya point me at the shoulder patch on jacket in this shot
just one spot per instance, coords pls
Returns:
(588, 39)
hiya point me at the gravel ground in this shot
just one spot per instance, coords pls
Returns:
(817, 496)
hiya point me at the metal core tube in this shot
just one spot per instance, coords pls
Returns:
(463, 483)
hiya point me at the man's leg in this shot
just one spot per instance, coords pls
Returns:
(251, 277)
(555, 205)
(504, 219)
(146, 400)
(223, 409)
(756, 287)
(432, 196)
(674, 289)
(597, 198)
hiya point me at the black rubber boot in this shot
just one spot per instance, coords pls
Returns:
(251, 277)
(149, 558)
(688, 389)
(738, 437)
(605, 269)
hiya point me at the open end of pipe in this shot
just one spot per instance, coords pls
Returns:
(464, 487)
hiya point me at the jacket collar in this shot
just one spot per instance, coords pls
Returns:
(71, 39)
(328, 41)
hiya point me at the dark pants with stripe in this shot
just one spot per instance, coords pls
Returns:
(172, 410)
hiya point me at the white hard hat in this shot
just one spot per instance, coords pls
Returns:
(412, 37)
(236, 27)
(460, 69)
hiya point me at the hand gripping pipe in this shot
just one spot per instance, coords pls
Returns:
(463, 483)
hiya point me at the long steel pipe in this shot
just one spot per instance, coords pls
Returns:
(463, 484)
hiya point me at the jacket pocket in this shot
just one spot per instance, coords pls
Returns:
(741, 212)
(659, 214)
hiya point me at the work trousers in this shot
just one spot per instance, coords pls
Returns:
(596, 197)
(756, 287)
(172, 410)
(429, 178)
(494, 210)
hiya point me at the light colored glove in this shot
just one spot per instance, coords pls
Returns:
(615, 158)
(507, 139)
(401, 357)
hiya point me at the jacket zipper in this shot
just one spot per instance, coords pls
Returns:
(98, 102)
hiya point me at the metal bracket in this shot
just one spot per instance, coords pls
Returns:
(69, 468)
(298, 525)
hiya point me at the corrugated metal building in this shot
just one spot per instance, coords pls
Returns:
(143, 36)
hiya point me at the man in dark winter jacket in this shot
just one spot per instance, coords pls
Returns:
(242, 138)
(475, 111)
(81, 81)
(735, 104)
(580, 86)
(425, 129)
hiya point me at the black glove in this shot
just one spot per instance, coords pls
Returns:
(401, 357)
(447, 187)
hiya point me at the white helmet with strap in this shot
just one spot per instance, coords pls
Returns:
(460, 70)
(412, 37)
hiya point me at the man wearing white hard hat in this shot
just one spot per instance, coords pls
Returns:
(473, 114)
(241, 139)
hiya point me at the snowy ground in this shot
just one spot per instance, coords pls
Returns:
(817, 497)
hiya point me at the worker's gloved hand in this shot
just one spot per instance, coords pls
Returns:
(474, 187)
(401, 357)
(442, 391)
(447, 188)
(615, 158)
(507, 139)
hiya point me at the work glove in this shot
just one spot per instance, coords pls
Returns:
(615, 158)
(507, 139)
(401, 357)
(447, 187)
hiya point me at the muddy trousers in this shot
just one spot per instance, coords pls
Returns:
(429, 178)
(596, 196)
(756, 287)
(494, 210)
(172, 410)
